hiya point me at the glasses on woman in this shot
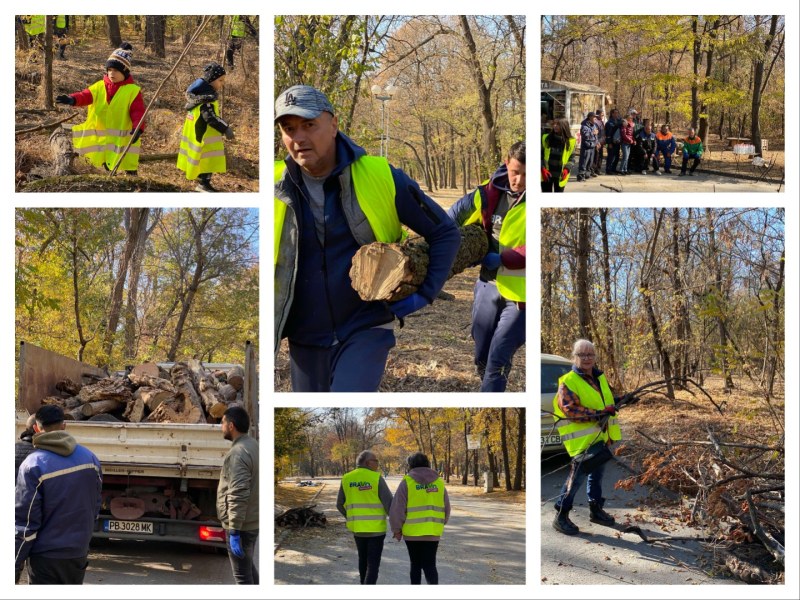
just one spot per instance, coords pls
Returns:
(585, 355)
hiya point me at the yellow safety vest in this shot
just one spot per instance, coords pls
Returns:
(365, 512)
(61, 21)
(578, 436)
(106, 131)
(568, 150)
(424, 509)
(196, 157)
(36, 26)
(510, 282)
(375, 192)
(237, 27)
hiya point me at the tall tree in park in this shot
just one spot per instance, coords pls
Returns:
(154, 33)
(114, 35)
(47, 67)
(760, 77)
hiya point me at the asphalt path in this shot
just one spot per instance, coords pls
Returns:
(673, 182)
(483, 543)
(605, 555)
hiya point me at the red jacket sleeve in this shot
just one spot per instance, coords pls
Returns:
(83, 98)
(137, 111)
(513, 258)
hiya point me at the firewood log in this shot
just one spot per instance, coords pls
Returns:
(151, 382)
(110, 388)
(152, 397)
(228, 392)
(235, 377)
(150, 369)
(184, 386)
(89, 409)
(135, 410)
(212, 400)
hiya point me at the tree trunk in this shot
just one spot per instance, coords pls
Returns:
(91, 409)
(759, 84)
(131, 316)
(392, 272)
(47, 74)
(112, 27)
(504, 447)
(584, 309)
(155, 29)
(608, 338)
(518, 470)
(192, 408)
(22, 36)
(63, 152)
(464, 475)
(719, 307)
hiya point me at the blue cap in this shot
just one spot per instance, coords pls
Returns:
(302, 101)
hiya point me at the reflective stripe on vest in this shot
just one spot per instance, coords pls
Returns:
(362, 503)
(207, 156)
(237, 27)
(375, 192)
(511, 282)
(568, 150)
(578, 436)
(424, 508)
(106, 131)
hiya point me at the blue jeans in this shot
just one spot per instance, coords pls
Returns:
(626, 154)
(244, 569)
(498, 328)
(586, 160)
(594, 483)
(353, 365)
(612, 159)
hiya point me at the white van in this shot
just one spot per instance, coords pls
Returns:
(553, 367)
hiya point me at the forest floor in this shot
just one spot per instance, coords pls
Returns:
(85, 65)
(434, 351)
(483, 543)
(666, 500)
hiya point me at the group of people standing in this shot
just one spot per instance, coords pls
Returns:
(631, 144)
(417, 514)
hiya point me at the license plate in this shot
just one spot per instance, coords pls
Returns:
(551, 440)
(128, 527)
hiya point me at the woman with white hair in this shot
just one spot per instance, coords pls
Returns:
(585, 416)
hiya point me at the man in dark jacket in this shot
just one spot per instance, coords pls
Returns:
(498, 308)
(331, 199)
(614, 141)
(588, 142)
(25, 444)
(57, 502)
(237, 495)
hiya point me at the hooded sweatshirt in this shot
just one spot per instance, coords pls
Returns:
(84, 98)
(57, 498)
(397, 513)
(201, 93)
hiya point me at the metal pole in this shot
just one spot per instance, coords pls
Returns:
(383, 125)
(386, 129)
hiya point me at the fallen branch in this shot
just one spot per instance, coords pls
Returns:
(50, 125)
(612, 188)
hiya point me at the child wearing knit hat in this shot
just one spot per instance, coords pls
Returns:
(114, 117)
(202, 149)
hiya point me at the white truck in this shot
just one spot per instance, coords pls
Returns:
(159, 479)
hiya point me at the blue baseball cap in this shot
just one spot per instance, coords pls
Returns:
(302, 101)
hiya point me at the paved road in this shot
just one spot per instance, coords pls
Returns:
(484, 543)
(118, 562)
(700, 182)
(605, 555)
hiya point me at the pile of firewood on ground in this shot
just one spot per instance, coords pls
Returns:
(187, 393)
(300, 517)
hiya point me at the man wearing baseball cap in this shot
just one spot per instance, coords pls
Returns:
(331, 199)
(57, 502)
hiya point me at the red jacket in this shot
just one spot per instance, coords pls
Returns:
(84, 98)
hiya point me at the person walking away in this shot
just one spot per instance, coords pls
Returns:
(202, 149)
(626, 138)
(588, 143)
(666, 146)
(419, 512)
(364, 500)
(647, 143)
(558, 156)
(692, 149)
(331, 199)
(614, 141)
(601, 141)
(498, 308)
(35, 28)
(585, 414)
(237, 495)
(60, 30)
(24, 446)
(240, 28)
(57, 500)
(114, 117)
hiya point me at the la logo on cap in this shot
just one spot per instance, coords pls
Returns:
(290, 99)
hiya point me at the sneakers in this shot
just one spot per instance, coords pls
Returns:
(691, 173)
(682, 174)
(563, 525)
(644, 172)
(204, 186)
(658, 172)
(592, 174)
(599, 516)
(667, 171)
(581, 178)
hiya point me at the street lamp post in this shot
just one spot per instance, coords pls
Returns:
(383, 94)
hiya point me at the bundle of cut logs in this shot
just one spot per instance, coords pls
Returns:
(187, 393)
(303, 516)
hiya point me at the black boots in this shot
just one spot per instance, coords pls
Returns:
(598, 515)
(563, 524)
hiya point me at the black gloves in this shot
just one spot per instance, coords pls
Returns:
(229, 133)
(136, 135)
(611, 410)
(65, 99)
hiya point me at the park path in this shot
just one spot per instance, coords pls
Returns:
(483, 543)
(605, 555)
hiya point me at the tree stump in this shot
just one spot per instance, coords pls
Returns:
(63, 152)
(392, 272)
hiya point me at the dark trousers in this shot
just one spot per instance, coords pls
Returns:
(598, 158)
(594, 486)
(234, 44)
(47, 571)
(695, 162)
(586, 160)
(498, 328)
(369, 558)
(667, 161)
(354, 365)
(552, 186)
(423, 558)
(613, 158)
(244, 569)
